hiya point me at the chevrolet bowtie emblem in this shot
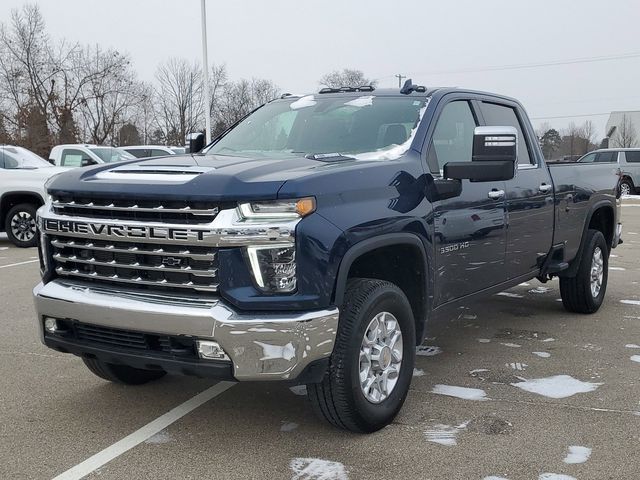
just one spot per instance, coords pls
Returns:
(171, 261)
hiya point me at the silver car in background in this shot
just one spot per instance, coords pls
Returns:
(628, 160)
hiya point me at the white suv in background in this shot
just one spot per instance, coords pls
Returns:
(628, 159)
(82, 155)
(22, 178)
(146, 151)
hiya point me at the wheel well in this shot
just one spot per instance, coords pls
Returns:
(402, 265)
(10, 200)
(627, 177)
(602, 220)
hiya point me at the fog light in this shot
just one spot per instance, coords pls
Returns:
(51, 324)
(210, 350)
(274, 267)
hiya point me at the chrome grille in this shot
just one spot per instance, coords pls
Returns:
(142, 265)
(142, 210)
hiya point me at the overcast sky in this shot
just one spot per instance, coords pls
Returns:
(294, 42)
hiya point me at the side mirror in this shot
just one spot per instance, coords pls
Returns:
(494, 157)
(195, 142)
(85, 162)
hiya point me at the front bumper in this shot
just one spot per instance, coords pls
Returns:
(273, 346)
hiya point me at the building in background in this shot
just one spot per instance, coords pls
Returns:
(623, 129)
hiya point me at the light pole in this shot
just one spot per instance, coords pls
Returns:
(205, 71)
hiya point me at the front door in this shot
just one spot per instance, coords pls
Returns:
(469, 230)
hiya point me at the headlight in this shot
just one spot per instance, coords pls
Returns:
(278, 209)
(274, 267)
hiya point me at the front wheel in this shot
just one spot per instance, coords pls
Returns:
(122, 373)
(20, 225)
(584, 293)
(372, 363)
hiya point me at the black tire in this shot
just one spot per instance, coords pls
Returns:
(628, 184)
(339, 398)
(122, 373)
(22, 215)
(576, 291)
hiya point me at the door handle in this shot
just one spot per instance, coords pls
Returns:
(544, 188)
(496, 194)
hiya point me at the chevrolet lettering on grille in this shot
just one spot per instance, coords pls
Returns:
(103, 230)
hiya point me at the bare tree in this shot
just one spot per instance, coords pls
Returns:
(345, 78)
(625, 135)
(588, 134)
(179, 99)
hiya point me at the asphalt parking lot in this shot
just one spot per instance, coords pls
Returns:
(546, 394)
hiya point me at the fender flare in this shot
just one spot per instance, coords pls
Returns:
(368, 245)
(575, 263)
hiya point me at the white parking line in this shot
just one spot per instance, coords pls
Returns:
(19, 263)
(149, 430)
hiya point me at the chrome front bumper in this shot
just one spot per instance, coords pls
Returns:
(266, 346)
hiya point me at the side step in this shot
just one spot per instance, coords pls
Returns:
(556, 267)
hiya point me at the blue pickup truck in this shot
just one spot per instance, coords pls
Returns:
(314, 241)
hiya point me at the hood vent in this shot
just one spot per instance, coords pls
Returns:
(153, 173)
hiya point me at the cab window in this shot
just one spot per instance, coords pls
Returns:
(72, 157)
(452, 139)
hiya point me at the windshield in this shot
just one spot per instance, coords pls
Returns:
(110, 154)
(18, 157)
(362, 127)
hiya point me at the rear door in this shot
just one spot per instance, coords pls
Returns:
(630, 164)
(530, 207)
(470, 230)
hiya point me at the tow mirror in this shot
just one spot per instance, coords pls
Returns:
(195, 141)
(494, 157)
(85, 162)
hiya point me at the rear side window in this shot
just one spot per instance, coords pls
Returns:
(606, 157)
(502, 116)
(138, 152)
(158, 153)
(72, 157)
(632, 157)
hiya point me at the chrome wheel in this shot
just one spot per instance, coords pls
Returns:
(597, 272)
(625, 189)
(23, 226)
(380, 357)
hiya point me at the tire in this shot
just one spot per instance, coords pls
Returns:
(626, 187)
(576, 292)
(20, 225)
(339, 398)
(122, 373)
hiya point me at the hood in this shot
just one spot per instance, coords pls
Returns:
(196, 177)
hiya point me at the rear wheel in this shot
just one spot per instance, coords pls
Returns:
(626, 187)
(122, 373)
(585, 292)
(372, 363)
(20, 225)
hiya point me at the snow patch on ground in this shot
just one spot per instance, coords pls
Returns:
(511, 345)
(577, 454)
(517, 366)
(428, 350)
(306, 101)
(484, 340)
(478, 370)
(159, 438)
(557, 386)
(635, 358)
(493, 477)
(363, 101)
(317, 469)
(631, 345)
(288, 426)
(621, 269)
(547, 340)
(510, 295)
(542, 354)
(464, 393)
(444, 434)
(299, 390)
(418, 372)
(630, 302)
(525, 284)
(539, 290)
